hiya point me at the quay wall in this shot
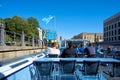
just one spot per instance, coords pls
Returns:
(16, 52)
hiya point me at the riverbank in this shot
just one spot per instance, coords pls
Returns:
(14, 53)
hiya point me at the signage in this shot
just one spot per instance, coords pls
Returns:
(51, 35)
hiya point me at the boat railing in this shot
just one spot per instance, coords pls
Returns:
(25, 67)
(17, 66)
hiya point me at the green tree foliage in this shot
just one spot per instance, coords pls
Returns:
(33, 22)
(2, 20)
(43, 32)
(33, 25)
(9, 25)
(18, 24)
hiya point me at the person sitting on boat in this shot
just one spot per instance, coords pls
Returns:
(69, 52)
(81, 49)
(53, 49)
(91, 50)
(76, 48)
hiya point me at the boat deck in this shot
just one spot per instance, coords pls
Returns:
(25, 70)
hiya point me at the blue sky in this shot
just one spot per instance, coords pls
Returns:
(72, 16)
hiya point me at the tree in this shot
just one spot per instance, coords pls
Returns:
(2, 20)
(33, 22)
(9, 25)
(18, 24)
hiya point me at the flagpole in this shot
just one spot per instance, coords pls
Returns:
(47, 20)
(55, 26)
(55, 23)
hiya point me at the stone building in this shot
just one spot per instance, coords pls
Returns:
(92, 37)
(112, 29)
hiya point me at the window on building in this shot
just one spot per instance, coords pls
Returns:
(112, 33)
(118, 31)
(118, 37)
(109, 27)
(104, 34)
(105, 29)
(106, 39)
(118, 24)
(112, 26)
(115, 26)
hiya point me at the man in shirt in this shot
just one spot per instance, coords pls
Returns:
(91, 50)
(69, 52)
(53, 49)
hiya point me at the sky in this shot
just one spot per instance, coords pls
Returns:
(71, 17)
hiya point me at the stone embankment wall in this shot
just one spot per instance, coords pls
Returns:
(10, 52)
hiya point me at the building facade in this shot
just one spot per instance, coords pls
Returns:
(112, 29)
(92, 37)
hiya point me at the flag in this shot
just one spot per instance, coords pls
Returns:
(47, 20)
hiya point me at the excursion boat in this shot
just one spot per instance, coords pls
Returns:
(32, 68)
(51, 67)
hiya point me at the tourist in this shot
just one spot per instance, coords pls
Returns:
(69, 52)
(53, 49)
(91, 50)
